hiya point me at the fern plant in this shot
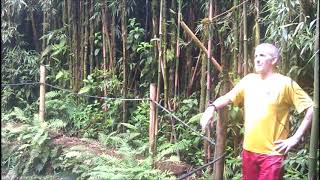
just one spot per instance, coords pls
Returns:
(124, 165)
(27, 148)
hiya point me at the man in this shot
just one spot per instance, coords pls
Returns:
(267, 98)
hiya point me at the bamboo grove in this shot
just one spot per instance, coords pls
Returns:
(194, 48)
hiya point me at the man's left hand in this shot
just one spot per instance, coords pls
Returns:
(286, 145)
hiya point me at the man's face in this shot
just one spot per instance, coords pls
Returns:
(263, 60)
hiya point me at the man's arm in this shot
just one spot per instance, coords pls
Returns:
(287, 144)
(208, 113)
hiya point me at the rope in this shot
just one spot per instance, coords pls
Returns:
(174, 116)
(98, 97)
(20, 84)
(201, 167)
(77, 94)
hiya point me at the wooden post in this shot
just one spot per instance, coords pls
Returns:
(42, 92)
(153, 127)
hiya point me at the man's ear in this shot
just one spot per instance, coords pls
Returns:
(274, 61)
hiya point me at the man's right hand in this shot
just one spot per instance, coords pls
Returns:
(206, 117)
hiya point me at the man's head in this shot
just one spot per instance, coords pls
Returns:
(266, 57)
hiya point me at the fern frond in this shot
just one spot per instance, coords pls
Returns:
(56, 124)
(16, 114)
(172, 148)
(52, 95)
(195, 119)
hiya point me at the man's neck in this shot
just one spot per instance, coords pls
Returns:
(266, 75)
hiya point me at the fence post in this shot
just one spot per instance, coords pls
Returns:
(42, 92)
(153, 127)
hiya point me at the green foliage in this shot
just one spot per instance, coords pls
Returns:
(27, 148)
(141, 56)
(296, 165)
(284, 24)
(124, 165)
(98, 80)
(232, 165)
(189, 143)
(16, 115)
(135, 34)
(169, 149)
(19, 65)
(140, 118)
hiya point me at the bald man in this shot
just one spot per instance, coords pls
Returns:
(267, 98)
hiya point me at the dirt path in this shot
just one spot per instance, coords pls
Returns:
(93, 146)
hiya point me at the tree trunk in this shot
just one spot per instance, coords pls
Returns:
(221, 127)
(76, 45)
(188, 53)
(308, 8)
(34, 30)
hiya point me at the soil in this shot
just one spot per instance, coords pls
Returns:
(177, 168)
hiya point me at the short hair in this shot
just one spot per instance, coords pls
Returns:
(274, 51)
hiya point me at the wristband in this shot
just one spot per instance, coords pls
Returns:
(211, 104)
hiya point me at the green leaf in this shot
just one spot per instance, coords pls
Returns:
(196, 118)
(129, 126)
(84, 90)
(46, 51)
(59, 75)
(96, 52)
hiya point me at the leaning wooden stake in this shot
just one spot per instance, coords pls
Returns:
(153, 127)
(42, 92)
(199, 44)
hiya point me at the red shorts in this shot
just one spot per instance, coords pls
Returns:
(261, 166)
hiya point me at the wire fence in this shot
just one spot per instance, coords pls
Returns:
(199, 133)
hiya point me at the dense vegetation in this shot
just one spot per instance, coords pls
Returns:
(115, 49)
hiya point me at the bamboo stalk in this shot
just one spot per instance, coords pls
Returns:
(257, 26)
(236, 40)
(207, 148)
(153, 123)
(124, 58)
(164, 52)
(159, 52)
(314, 141)
(176, 82)
(245, 39)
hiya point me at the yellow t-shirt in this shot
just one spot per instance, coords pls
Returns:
(266, 107)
